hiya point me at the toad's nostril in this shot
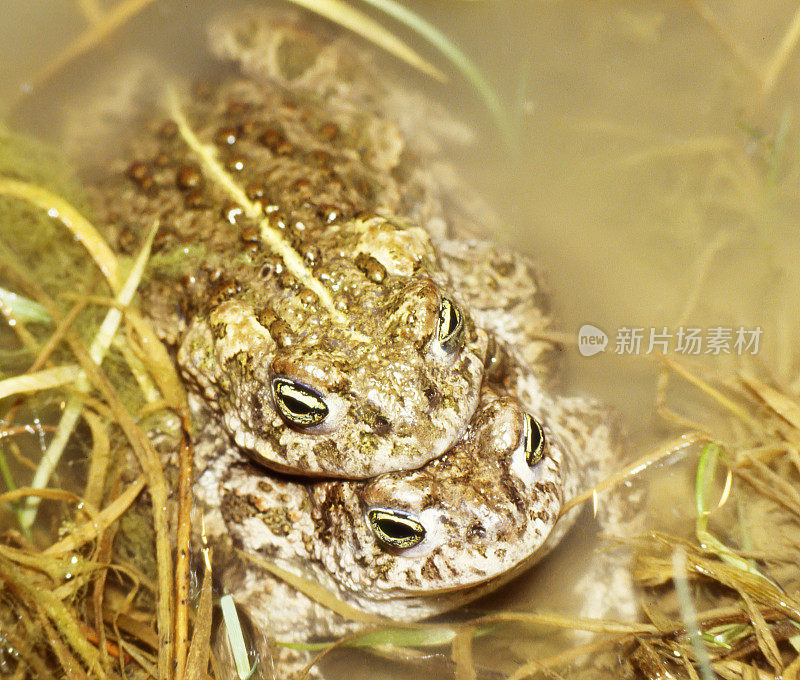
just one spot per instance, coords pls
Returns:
(476, 530)
(433, 396)
(382, 426)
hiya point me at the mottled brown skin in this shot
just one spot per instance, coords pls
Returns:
(336, 179)
(240, 318)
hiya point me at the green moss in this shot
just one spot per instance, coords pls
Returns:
(31, 240)
(37, 249)
(27, 158)
(172, 262)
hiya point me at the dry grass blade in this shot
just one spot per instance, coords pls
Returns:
(755, 425)
(669, 448)
(197, 661)
(146, 386)
(68, 662)
(782, 54)
(57, 336)
(315, 591)
(50, 494)
(151, 465)
(157, 360)
(567, 623)
(651, 662)
(82, 229)
(73, 409)
(774, 487)
(90, 530)
(462, 654)
(543, 665)
(766, 641)
(98, 459)
(781, 490)
(341, 642)
(93, 36)
(17, 325)
(687, 664)
(142, 659)
(736, 670)
(104, 555)
(183, 548)
(47, 379)
(651, 570)
(133, 627)
(54, 568)
(782, 404)
(56, 611)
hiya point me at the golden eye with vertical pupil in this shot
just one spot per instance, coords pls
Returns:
(395, 529)
(450, 326)
(532, 439)
(299, 404)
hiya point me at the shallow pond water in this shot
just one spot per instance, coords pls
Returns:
(653, 172)
(641, 133)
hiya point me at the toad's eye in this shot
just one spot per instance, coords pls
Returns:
(395, 529)
(532, 439)
(299, 404)
(450, 326)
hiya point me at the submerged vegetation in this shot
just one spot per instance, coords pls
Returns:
(720, 598)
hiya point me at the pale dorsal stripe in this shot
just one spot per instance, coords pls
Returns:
(271, 236)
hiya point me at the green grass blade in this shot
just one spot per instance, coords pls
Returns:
(236, 638)
(460, 60)
(350, 18)
(22, 308)
(393, 637)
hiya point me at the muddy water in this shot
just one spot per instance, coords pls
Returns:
(652, 145)
(635, 146)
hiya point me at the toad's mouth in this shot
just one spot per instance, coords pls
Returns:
(490, 581)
